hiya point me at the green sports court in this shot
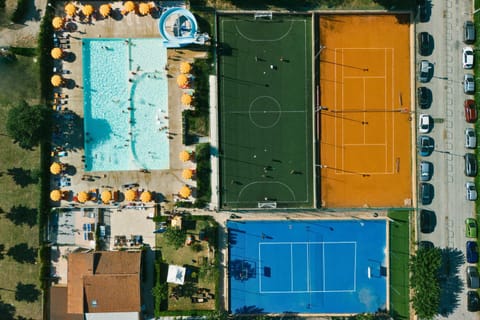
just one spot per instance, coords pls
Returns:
(265, 99)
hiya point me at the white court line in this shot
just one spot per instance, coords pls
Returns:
(364, 144)
(385, 85)
(393, 105)
(243, 112)
(364, 77)
(309, 287)
(323, 266)
(291, 267)
(268, 40)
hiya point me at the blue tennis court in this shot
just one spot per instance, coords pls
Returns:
(307, 266)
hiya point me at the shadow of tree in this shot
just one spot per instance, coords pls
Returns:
(22, 215)
(249, 310)
(23, 177)
(27, 292)
(22, 253)
(2, 251)
(7, 311)
(396, 4)
(451, 285)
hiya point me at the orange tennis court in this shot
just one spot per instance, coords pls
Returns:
(365, 131)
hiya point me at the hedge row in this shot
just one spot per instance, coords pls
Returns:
(204, 190)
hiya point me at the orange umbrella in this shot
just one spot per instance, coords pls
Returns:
(56, 80)
(82, 196)
(55, 168)
(144, 8)
(185, 192)
(56, 53)
(182, 80)
(146, 196)
(130, 195)
(184, 156)
(186, 99)
(57, 23)
(129, 6)
(187, 173)
(56, 195)
(105, 10)
(185, 67)
(106, 196)
(88, 10)
(70, 9)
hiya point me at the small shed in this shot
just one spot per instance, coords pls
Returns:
(176, 274)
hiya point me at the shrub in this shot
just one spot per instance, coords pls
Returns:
(20, 12)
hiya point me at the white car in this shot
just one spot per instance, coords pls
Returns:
(470, 138)
(467, 54)
(424, 124)
(471, 191)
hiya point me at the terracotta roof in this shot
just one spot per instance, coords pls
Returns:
(58, 305)
(79, 264)
(117, 262)
(112, 293)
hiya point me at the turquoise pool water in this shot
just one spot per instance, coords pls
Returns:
(125, 104)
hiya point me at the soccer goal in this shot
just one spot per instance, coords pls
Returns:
(267, 205)
(262, 15)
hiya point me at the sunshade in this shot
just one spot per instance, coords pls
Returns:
(87, 10)
(56, 53)
(129, 6)
(105, 10)
(185, 192)
(146, 196)
(70, 9)
(55, 168)
(106, 196)
(185, 67)
(186, 99)
(130, 195)
(182, 80)
(57, 23)
(82, 196)
(144, 8)
(56, 80)
(184, 156)
(55, 195)
(187, 173)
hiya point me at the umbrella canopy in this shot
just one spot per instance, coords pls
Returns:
(130, 195)
(82, 196)
(105, 10)
(146, 196)
(70, 9)
(55, 195)
(185, 192)
(106, 196)
(129, 6)
(55, 168)
(87, 10)
(184, 156)
(56, 53)
(185, 67)
(186, 99)
(187, 173)
(144, 8)
(57, 23)
(182, 80)
(56, 80)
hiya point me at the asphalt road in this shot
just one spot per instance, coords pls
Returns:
(449, 203)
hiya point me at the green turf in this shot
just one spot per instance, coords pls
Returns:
(399, 258)
(265, 114)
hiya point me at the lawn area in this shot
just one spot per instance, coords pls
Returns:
(19, 198)
(399, 259)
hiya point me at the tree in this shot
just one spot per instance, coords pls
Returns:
(28, 125)
(175, 237)
(22, 253)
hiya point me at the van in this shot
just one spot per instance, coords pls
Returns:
(468, 32)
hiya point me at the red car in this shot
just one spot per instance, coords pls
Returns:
(470, 111)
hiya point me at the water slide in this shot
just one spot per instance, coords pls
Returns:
(186, 36)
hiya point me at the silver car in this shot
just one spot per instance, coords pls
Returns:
(472, 277)
(470, 138)
(426, 170)
(471, 191)
(469, 84)
(424, 71)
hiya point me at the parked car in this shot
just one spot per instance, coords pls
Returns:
(468, 32)
(424, 43)
(428, 221)
(424, 97)
(470, 228)
(470, 138)
(471, 191)
(473, 303)
(426, 170)
(471, 166)
(426, 193)
(425, 145)
(423, 10)
(424, 123)
(470, 111)
(424, 71)
(467, 57)
(472, 277)
(472, 252)
(468, 84)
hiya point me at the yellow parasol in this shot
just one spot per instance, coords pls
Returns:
(55, 168)
(56, 195)
(182, 80)
(56, 53)
(87, 10)
(129, 6)
(56, 80)
(130, 195)
(146, 196)
(106, 196)
(57, 23)
(185, 192)
(187, 173)
(82, 196)
(185, 67)
(105, 10)
(70, 9)
(186, 99)
(184, 156)
(144, 8)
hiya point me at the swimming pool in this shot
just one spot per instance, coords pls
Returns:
(125, 104)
